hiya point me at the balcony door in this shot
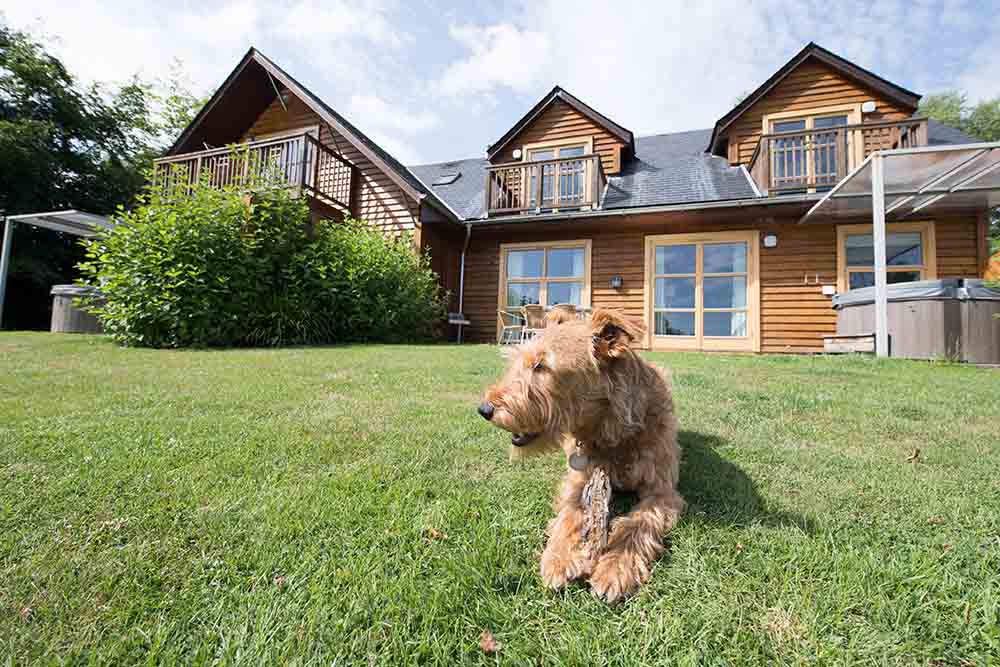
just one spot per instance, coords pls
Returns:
(702, 291)
(564, 183)
(811, 151)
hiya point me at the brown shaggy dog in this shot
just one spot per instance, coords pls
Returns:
(581, 388)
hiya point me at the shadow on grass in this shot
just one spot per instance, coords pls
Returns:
(719, 492)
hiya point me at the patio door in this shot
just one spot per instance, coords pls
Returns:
(702, 291)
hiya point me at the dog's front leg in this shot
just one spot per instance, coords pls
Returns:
(565, 557)
(635, 541)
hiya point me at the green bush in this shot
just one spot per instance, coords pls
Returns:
(211, 269)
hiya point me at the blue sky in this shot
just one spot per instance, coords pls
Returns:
(433, 81)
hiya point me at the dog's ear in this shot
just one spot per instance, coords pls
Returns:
(613, 333)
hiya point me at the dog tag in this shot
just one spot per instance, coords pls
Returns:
(578, 461)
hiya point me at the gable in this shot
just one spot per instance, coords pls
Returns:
(559, 122)
(809, 86)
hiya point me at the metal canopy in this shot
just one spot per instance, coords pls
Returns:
(926, 181)
(72, 222)
(906, 183)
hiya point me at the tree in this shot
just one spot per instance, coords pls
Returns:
(64, 145)
(948, 107)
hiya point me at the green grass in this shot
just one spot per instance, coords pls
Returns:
(277, 506)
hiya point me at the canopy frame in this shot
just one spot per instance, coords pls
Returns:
(938, 187)
(76, 223)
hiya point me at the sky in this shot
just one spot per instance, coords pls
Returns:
(434, 81)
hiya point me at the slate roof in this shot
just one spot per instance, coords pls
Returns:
(939, 134)
(667, 169)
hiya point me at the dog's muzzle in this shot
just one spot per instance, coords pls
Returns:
(486, 410)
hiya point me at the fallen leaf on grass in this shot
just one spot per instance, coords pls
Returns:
(488, 643)
(435, 534)
(914, 456)
(281, 582)
(946, 547)
(739, 547)
(935, 520)
(25, 613)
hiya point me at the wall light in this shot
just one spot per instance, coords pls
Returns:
(616, 282)
(770, 240)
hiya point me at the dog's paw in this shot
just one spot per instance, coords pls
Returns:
(617, 576)
(560, 568)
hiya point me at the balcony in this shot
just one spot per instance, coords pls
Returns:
(296, 161)
(814, 160)
(571, 183)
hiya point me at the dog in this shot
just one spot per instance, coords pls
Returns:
(581, 388)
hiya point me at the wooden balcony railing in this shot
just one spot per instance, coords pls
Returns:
(817, 159)
(298, 161)
(571, 183)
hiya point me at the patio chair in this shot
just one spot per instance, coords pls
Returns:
(562, 312)
(534, 320)
(511, 327)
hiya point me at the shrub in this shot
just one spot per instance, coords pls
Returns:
(212, 269)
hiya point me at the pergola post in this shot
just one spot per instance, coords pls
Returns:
(8, 237)
(878, 240)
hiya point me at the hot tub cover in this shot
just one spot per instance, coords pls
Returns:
(73, 290)
(948, 288)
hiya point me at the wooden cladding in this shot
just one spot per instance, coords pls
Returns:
(572, 183)
(296, 161)
(378, 199)
(559, 123)
(805, 160)
(812, 85)
(794, 312)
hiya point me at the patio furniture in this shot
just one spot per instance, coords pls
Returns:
(511, 327)
(562, 312)
(534, 320)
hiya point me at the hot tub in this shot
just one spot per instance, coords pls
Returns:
(929, 319)
(67, 316)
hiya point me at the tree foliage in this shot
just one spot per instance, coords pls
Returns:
(64, 145)
(204, 267)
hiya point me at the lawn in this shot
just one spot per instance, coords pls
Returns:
(342, 506)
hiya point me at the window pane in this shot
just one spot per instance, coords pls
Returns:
(788, 125)
(726, 324)
(565, 263)
(725, 258)
(525, 263)
(674, 324)
(830, 121)
(538, 156)
(725, 292)
(570, 151)
(860, 279)
(565, 293)
(675, 258)
(901, 249)
(521, 294)
(674, 293)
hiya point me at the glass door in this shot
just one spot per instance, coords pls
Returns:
(563, 183)
(828, 144)
(788, 154)
(703, 291)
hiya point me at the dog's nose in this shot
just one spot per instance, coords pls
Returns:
(486, 410)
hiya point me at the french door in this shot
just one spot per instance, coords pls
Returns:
(702, 291)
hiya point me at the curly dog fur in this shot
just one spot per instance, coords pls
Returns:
(581, 388)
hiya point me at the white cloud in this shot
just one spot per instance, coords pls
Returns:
(370, 110)
(500, 56)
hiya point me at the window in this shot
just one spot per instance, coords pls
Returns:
(564, 183)
(910, 254)
(703, 290)
(819, 156)
(545, 273)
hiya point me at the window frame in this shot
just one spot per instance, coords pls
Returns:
(699, 341)
(544, 280)
(927, 270)
(853, 113)
(555, 145)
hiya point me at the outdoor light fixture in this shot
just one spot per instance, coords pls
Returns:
(616, 282)
(770, 240)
